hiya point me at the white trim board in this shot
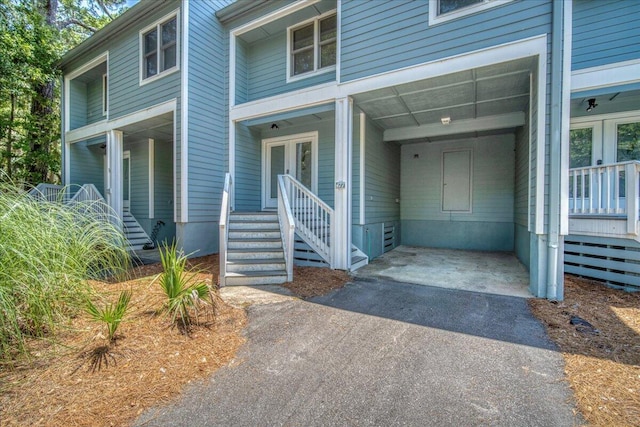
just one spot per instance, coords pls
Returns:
(615, 74)
(435, 18)
(152, 185)
(184, 117)
(103, 57)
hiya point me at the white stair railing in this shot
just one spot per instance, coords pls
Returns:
(89, 199)
(287, 225)
(48, 192)
(313, 217)
(606, 190)
(225, 210)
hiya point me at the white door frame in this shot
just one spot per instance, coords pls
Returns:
(290, 161)
(126, 204)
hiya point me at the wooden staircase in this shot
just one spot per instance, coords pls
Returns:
(133, 231)
(255, 254)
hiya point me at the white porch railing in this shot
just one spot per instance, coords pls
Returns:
(48, 192)
(89, 199)
(287, 225)
(313, 217)
(225, 210)
(610, 190)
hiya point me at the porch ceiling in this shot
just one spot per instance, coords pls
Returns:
(159, 128)
(93, 74)
(608, 101)
(495, 90)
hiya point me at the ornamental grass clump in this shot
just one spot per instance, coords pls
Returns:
(185, 293)
(48, 250)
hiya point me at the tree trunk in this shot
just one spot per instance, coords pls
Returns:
(9, 149)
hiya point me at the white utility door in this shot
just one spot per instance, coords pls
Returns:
(126, 180)
(295, 155)
(456, 181)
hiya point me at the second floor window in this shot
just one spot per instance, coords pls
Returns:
(446, 6)
(313, 46)
(160, 48)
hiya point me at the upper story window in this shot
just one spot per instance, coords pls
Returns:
(446, 10)
(312, 47)
(159, 48)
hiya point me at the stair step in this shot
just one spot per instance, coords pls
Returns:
(253, 225)
(255, 253)
(274, 277)
(255, 265)
(254, 216)
(241, 243)
(254, 234)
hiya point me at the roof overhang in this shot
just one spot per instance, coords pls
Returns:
(238, 9)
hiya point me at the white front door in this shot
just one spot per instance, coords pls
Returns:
(295, 155)
(126, 181)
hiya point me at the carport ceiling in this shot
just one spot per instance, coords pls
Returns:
(487, 93)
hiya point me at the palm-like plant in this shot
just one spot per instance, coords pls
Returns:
(111, 314)
(184, 292)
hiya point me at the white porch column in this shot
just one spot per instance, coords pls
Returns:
(114, 166)
(341, 240)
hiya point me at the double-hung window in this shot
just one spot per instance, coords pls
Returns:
(445, 10)
(312, 47)
(159, 46)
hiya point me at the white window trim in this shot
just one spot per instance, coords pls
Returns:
(143, 81)
(105, 94)
(435, 18)
(316, 47)
(454, 150)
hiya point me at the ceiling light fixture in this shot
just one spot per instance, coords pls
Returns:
(592, 104)
(446, 120)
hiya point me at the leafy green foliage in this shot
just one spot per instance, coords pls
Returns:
(180, 285)
(47, 253)
(111, 314)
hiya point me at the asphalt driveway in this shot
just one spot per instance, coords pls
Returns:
(380, 353)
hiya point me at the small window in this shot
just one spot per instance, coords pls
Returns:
(105, 94)
(580, 147)
(445, 10)
(312, 47)
(628, 142)
(159, 46)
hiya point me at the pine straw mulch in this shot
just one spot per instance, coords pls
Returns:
(78, 383)
(602, 366)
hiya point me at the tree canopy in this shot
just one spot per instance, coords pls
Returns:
(34, 34)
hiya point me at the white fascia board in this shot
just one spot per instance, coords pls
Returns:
(615, 74)
(103, 126)
(152, 185)
(501, 121)
(541, 138)
(534, 46)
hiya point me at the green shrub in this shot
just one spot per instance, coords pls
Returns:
(180, 285)
(111, 314)
(47, 253)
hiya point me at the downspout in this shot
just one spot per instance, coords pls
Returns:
(554, 149)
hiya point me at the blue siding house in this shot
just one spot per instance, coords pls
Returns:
(327, 132)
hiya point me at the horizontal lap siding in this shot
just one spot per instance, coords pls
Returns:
(266, 62)
(605, 32)
(383, 36)
(521, 197)
(163, 189)
(94, 101)
(382, 177)
(248, 186)
(355, 171)
(78, 106)
(207, 111)
(139, 176)
(87, 165)
(492, 180)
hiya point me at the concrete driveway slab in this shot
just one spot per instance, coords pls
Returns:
(380, 353)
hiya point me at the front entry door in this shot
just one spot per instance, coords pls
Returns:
(295, 155)
(126, 181)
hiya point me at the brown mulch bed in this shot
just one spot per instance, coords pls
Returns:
(602, 365)
(76, 382)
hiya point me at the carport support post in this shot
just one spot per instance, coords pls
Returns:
(341, 238)
(114, 166)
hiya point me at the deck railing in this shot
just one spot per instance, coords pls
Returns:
(48, 192)
(610, 190)
(89, 200)
(287, 225)
(225, 211)
(313, 217)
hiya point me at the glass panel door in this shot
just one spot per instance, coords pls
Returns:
(303, 163)
(276, 165)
